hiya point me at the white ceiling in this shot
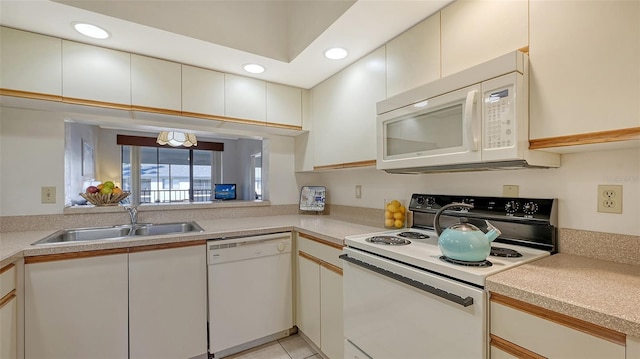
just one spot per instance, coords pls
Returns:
(288, 37)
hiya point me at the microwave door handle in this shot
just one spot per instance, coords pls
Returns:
(470, 121)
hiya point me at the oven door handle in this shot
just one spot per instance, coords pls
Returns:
(465, 302)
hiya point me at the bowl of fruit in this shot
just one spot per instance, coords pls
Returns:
(105, 194)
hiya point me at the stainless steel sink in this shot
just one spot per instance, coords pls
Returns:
(166, 228)
(76, 235)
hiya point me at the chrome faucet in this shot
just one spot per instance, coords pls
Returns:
(133, 214)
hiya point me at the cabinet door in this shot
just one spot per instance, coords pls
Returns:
(77, 308)
(332, 329)
(475, 31)
(30, 62)
(309, 299)
(95, 73)
(156, 83)
(344, 112)
(284, 105)
(167, 303)
(245, 98)
(548, 338)
(413, 58)
(584, 78)
(202, 91)
(8, 327)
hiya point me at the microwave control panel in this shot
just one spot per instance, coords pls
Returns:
(499, 118)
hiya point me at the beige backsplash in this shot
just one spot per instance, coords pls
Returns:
(620, 248)
(607, 246)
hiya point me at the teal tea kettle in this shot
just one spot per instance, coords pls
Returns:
(464, 241)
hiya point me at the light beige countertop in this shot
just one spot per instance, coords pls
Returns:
(14, 245)
(601, 292)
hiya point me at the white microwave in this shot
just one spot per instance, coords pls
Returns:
(473, 120)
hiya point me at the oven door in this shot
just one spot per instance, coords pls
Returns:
(396, 311)
(439, 131)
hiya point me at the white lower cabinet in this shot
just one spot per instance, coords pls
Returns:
(76, 307)
(168, 303)
(149, 303)
(520, 330)
(319, 299)
(8, 313)
(8, 328)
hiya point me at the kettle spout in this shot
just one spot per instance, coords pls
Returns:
(493, 232)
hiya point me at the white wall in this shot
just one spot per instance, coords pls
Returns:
(574, 184)
(31, 156)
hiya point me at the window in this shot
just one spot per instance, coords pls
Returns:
(167, 174)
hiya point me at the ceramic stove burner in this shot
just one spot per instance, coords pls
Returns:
(388, 240)
(484, 263)
(505, 252)
(413, 235)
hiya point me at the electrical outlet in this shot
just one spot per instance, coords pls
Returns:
(48, 195)
(510, 190)
(610, 199)
(358, 191)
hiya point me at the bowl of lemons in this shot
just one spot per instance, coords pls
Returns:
(105, 194)
(395, 213)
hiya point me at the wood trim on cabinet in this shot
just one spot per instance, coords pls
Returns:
(118, 106)
(171, 245)
(74, 255)
(111, 105)
(162, 111)
(625, 134)
(7, 298)
(562, 319)
(30, 95)
(322, 241)
(367, 163)
(319, 261)
(513, 349)
(7, 268)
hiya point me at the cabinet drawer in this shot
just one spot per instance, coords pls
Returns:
(548, 338)
(7, 279)
(321, 249)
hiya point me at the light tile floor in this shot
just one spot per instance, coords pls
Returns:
(292, 347)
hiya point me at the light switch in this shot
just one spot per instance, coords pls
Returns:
(48, 195)
(510, 190)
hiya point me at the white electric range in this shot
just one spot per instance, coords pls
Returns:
(399, 282)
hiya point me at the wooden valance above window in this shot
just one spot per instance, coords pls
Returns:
(151, 142)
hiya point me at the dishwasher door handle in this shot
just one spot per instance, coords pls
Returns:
(465, 302)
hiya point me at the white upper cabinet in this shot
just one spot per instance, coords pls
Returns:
(585, 67)
(413, 58)
(95, 73)
(284, 104)
(344, 112)
(156, 83)
(30, 62)
(245, 98)
(202, 91)
(475, 31)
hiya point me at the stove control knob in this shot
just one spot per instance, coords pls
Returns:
(511, 207)
(530, 208)
(431, 201)
(420, 200)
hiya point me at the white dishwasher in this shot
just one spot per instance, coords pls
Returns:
(250, 290)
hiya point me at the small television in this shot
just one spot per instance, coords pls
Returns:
(224, 191)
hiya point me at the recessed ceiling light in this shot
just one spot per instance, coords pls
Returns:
(91, 30)
(254, 68)
(335, 53)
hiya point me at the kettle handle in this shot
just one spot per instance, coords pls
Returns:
(436, 220)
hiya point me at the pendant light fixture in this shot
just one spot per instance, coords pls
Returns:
(177, 139)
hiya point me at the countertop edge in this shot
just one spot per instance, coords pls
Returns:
(509, 283)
